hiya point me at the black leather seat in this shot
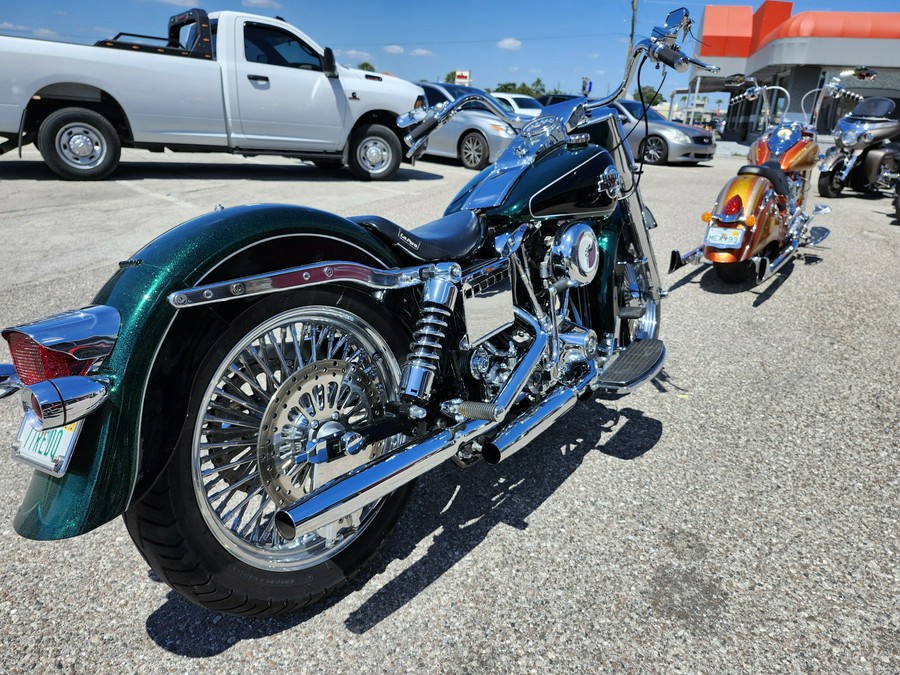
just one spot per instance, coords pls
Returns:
(773, 172)
(452, 237)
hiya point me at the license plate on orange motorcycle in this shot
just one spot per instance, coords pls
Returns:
(49, 450)
(724, 237)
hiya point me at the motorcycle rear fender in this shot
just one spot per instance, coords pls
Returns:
(759, 200)
(150, 369)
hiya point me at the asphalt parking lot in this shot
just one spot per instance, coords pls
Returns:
(738, 514)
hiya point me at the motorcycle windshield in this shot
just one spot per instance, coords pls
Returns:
(873, 107)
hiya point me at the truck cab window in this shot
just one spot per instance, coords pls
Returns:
(267, 44)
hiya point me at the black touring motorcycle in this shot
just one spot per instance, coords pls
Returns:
(256, 389)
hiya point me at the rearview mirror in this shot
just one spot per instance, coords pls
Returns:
(736, 80)
(675, 21)
(329, 67)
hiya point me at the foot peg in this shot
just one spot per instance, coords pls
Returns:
(640, 362)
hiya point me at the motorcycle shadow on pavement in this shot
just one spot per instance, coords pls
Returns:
(456, 508)
(706, 277)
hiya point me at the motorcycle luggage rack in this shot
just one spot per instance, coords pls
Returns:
(202, 38)
(640, 362)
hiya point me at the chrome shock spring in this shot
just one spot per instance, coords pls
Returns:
(431, 329)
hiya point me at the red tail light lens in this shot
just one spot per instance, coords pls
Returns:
(35, 363)
(733, 206)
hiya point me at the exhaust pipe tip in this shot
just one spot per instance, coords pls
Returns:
(285, 527)
(490, 453)
(675, 261)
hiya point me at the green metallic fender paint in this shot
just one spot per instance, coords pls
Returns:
(98, 484)
(608, 240)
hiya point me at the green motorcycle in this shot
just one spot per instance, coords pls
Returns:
(256, 390)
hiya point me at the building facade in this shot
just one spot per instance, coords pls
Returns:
(799, 52)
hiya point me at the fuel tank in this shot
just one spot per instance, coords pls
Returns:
(794, 148)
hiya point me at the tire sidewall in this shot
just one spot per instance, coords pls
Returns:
(262, 588)
(46, 144)
(383, 133)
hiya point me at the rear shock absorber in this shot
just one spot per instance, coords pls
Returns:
(438, 300)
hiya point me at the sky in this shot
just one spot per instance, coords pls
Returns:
(497, 42)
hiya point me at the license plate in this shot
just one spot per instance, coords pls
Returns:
(50, 450)
(724, 237)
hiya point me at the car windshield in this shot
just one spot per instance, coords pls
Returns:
(527, 103)
(635, 108)
(456, 91)
(874, 107)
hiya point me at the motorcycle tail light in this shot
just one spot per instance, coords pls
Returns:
(36, 363)
(733, 206)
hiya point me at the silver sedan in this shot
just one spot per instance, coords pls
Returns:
(662, 141)
(474, 136)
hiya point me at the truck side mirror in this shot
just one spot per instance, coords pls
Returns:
(329, 67)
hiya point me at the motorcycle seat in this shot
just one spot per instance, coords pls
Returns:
(452, 237)
(771, 171)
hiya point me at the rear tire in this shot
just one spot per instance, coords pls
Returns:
(375, 153)
(734, 273)
(289, 368)
(79, 144)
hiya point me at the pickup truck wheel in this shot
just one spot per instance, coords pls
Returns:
(375, 153)
(79, 144)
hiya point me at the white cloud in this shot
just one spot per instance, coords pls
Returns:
(353, 54)
(509, 43)
(393, 49)
(6, 25)
(513, 69)
(46, 32)
(421, 52)
(594, 55)
(261, 4)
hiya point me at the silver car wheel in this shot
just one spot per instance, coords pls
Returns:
(473, 151)
(374, 154)
(303, 374)
(655, 150)
(80, 145)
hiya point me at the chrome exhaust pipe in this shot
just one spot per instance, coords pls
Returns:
(377, 479)
(677, 261)
(765, 269)
(381, 476)
(529, 426)
(536, 420)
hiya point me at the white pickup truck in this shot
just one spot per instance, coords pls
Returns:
(223, 82)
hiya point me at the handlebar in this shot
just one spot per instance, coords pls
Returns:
(660, 48)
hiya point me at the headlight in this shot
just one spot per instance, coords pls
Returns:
(868, 137)
(503, 129)
(850, 137)
(676, 135)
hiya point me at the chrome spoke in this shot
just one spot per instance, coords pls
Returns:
(305, 370)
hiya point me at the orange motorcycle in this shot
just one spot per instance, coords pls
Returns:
(758, 221)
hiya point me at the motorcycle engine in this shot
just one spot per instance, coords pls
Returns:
(575, 254)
